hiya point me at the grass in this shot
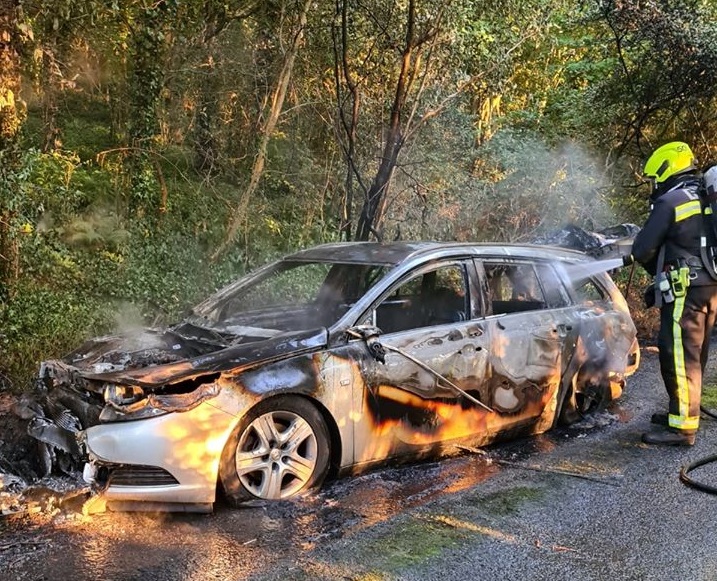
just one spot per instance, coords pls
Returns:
(508, 501)
(709, 393)
(421, 539)
(416, 542)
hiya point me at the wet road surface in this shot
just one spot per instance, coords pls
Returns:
(590, 502)
(231, 543)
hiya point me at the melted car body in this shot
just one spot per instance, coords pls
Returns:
(335, 359)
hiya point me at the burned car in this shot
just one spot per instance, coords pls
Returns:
(333, 360)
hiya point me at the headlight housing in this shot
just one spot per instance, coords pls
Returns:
(122, 395)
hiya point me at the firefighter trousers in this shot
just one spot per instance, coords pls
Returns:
(683, 341)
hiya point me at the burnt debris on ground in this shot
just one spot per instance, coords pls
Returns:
(24, 490)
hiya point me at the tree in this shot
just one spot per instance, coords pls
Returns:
(399, 69)
(398, 40)
(13, 32)
(665, 81)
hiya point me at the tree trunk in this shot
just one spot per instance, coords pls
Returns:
(11, 120)
(206, 153)
(349, 123)
(277, 103)
(50, 96)
(370, 217)
(146, 81)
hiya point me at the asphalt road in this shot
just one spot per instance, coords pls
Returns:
(591, 502)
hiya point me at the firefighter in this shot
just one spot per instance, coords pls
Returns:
(670, 247)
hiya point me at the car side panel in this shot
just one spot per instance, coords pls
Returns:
(510, 363)
(606, 350)
(330, 378)
(406, 407)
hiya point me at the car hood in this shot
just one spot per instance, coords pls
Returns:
(152, 358)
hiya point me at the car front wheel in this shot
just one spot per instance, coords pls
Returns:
(280, 448)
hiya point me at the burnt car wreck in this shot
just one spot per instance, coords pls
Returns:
(330, 361)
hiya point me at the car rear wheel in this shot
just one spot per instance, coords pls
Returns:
(280, 448)
(579, 403)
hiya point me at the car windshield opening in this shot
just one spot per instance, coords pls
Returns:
(289, 296)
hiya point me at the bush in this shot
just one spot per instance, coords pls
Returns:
(40, 323)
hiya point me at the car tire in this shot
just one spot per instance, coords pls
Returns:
(569, 414)
(279, 449)
(576, 405)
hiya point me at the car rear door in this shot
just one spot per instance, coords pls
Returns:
(529, 328)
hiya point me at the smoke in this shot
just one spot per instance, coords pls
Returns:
(128, 318)
(524, 188)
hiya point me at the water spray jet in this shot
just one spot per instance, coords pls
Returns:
(587, 269)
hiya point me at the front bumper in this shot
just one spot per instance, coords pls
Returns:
(173, 458)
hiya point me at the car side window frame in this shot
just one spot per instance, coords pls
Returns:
(479, 288)
(369, 317)
(537, 268)
(555, 291)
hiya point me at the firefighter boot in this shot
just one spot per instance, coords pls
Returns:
(670, 437)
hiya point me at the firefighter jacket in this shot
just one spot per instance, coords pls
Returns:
(675, 221)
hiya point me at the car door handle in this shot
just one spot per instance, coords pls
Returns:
(475, 331)
(563, 330)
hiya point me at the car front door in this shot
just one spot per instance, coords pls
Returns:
(424, 386)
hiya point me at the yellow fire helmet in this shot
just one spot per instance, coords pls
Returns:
(668, 160)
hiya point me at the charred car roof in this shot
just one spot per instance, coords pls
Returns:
(394, 253)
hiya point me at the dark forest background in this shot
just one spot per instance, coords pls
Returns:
(152, 150)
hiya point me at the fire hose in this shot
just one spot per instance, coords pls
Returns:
(378, 351)
(692, 483)
(440, 377)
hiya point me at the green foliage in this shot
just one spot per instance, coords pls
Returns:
(667, 73)
(40, 322)
(47, 188)
(163, 273)
(86, 128)
(81, 263)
